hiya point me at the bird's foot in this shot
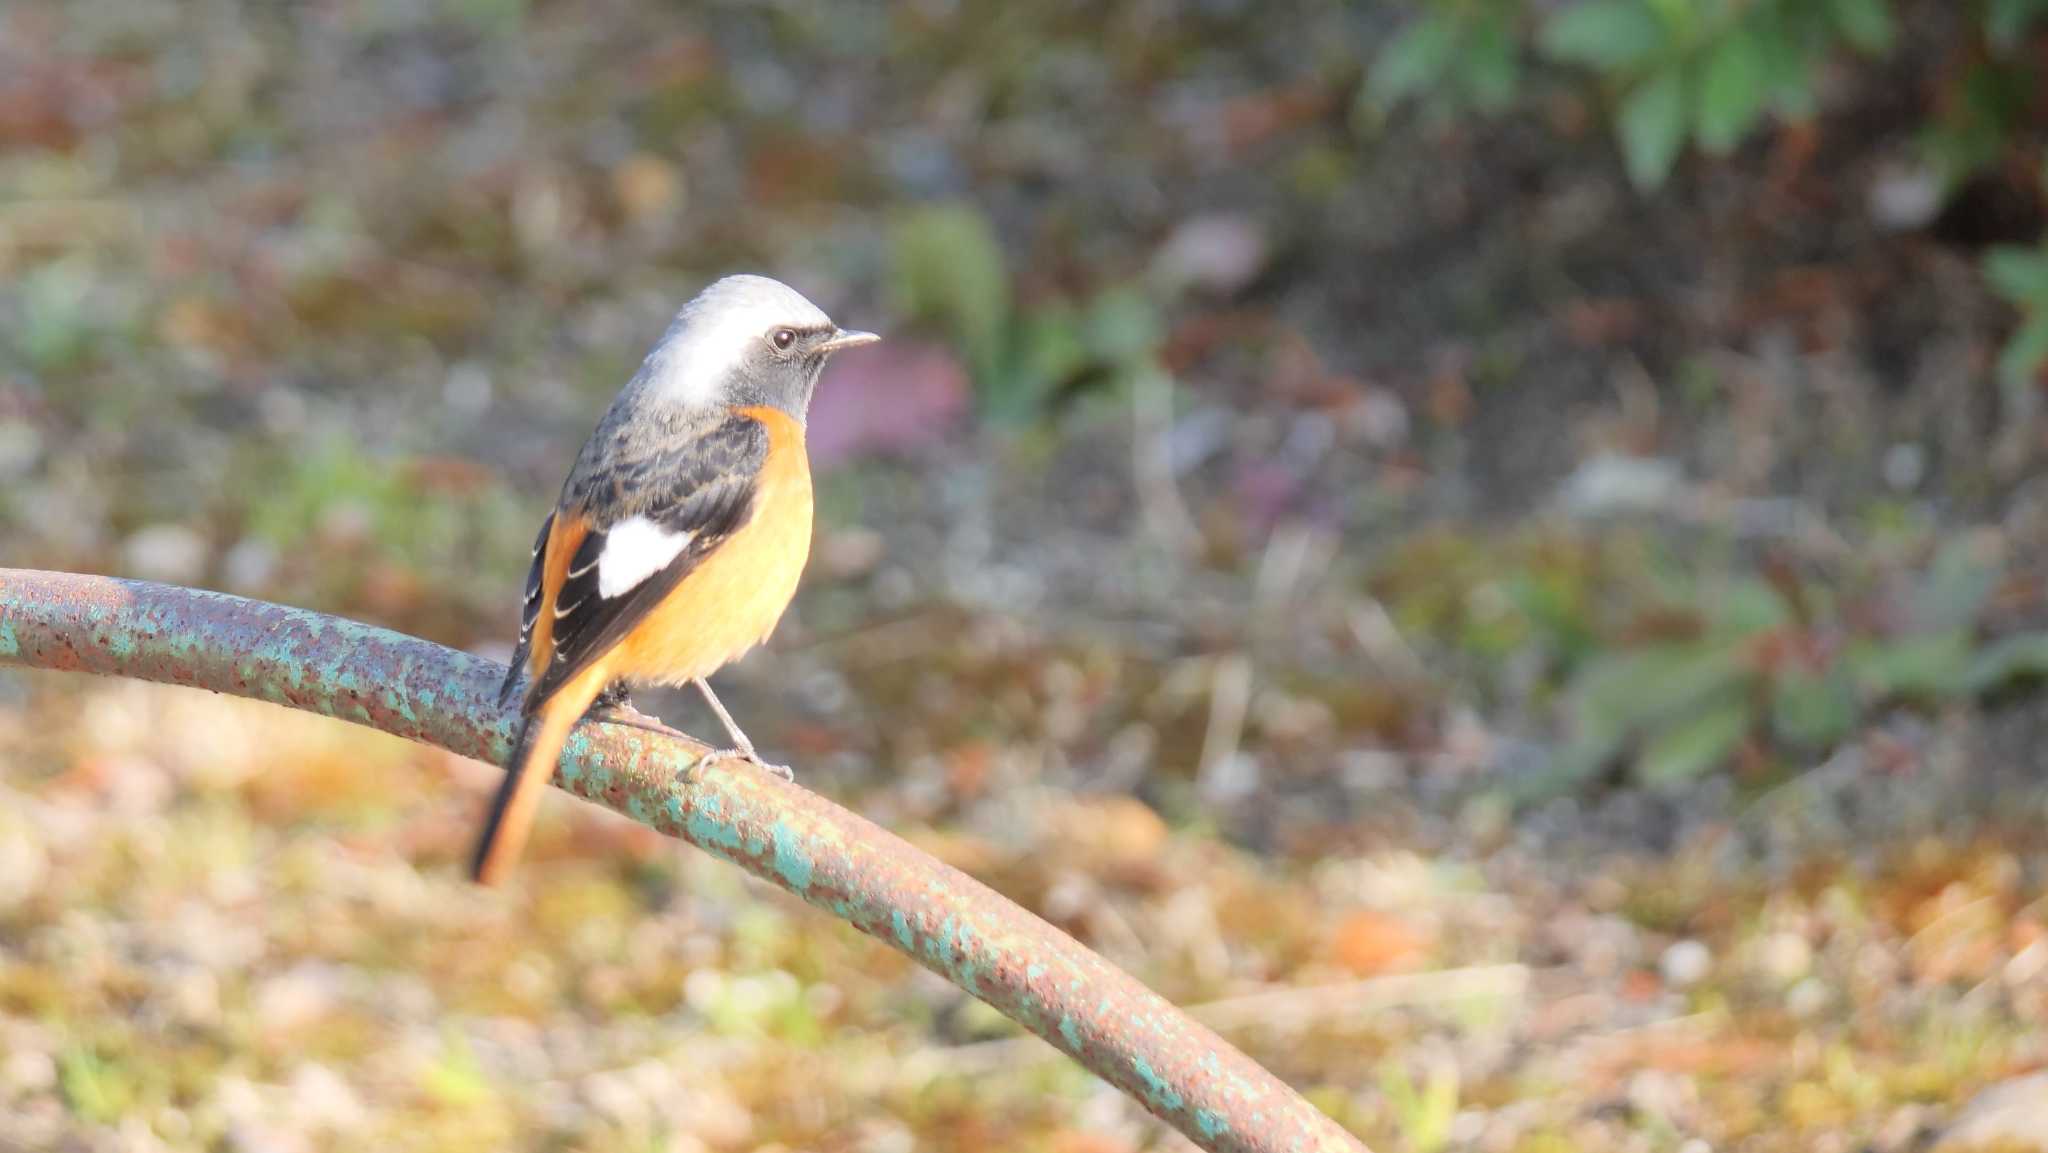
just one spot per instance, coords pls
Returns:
(753, 758)
(622, 712)
(617, 695)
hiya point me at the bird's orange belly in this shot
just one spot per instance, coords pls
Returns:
(736, 595)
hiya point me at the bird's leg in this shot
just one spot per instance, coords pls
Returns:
(614, 706)
(742, 747)
(617, 695)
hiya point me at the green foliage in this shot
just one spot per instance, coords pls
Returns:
(1771, 665)
(1687, 703)
(1670, 670)
(949, 275)
(1608, 35)
(1867, 24)
(1652, 127)
(2021, 276)
(498, 17)
(1704, 72)
(1709, 73)
(1424, 1113)
(2013, 659)
(1986, 113)
(339, 515)
(456, 1079)
(2006, 21)
(57, 322)
(949, 271)
(95, 1088)
(1457, 53)
(420, 524)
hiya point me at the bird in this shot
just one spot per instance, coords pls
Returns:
(678, 539)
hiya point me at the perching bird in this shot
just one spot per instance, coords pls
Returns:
(680, 533)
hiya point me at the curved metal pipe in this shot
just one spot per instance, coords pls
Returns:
(786, 835)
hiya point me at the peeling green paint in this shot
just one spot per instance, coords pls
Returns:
(1160, 1094)
(708, 827)
(9, 646)
(1071, 1033)
(965, 969)
(1210, 1124)
(792, 860)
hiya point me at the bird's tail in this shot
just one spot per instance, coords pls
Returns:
(534, 755)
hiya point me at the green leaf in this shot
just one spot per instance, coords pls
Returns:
(1789, 57)
(1953, 592)
(495, 17)
(1985, 110)
(1051, 348)
(1553, 605)
(1652, 127)
(2018, 274)
(2012, 658)
(1626, 693)
(1867, 24)
(1748, 606)
(1813, 710)
(1572, 766)
(1598, 736)
(949, 271)
(1695, 746)
(1931, 667)
(1609, 35)
(96, 1089)
(1684, 17)
(1416, 59)
(1732, 92)
(2025, 355)
(1123, 327)
(2006, 22)
(1426, 1114)
(1492, 66)
(56, 328)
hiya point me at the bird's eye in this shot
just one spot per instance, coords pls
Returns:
(784, 338)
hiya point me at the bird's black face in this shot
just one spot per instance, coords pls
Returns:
(782, 371)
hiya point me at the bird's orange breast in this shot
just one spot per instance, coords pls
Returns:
(732, 600)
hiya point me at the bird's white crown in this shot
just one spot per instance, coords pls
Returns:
(718, 329)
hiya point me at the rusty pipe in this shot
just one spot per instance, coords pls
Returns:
(788, 836)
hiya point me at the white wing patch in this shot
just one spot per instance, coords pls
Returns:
(634, 549)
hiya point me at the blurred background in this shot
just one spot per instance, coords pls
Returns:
(1493, 548)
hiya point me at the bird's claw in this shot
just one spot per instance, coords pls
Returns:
(615, 707)
(625, 714)
(753, 758)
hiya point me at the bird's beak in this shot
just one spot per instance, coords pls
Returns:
(847, 338)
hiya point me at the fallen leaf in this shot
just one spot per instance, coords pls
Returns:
(1369, 943)
(890, 398)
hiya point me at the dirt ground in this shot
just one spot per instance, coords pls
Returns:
(1209, 666)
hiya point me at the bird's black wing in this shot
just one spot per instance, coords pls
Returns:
(529, 611)
(653, 515)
